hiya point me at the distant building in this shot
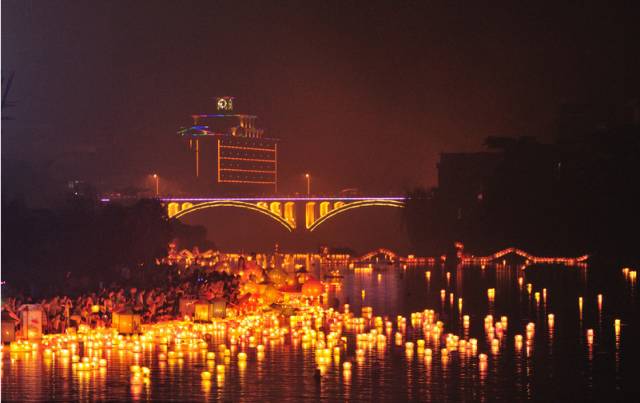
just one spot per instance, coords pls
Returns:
(230, 154)
(462, 178)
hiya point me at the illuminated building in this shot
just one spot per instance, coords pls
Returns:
(229, 153)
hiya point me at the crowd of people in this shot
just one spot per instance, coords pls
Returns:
(153, 303)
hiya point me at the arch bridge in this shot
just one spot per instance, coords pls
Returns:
(284, 210)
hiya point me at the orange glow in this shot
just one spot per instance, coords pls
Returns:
(353, 205)
(531, 258)
(272, 150)
(249, 206)
(247, 170)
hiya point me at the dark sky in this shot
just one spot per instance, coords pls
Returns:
(362, 94)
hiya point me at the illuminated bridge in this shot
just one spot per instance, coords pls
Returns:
(284, 210)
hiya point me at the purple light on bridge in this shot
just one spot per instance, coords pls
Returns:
(258, 199)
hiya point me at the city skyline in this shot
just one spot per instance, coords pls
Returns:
(352, 90)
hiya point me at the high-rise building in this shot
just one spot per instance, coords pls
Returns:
(230, 154)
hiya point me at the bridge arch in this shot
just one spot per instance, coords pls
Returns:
(339, 209)
(381, 251)
(238, 204)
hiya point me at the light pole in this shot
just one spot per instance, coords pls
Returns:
(308, 184)
(155, 176)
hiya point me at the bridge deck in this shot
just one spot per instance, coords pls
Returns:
(258, 199)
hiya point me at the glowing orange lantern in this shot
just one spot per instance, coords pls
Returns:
(127, 322)
(31, 318)
(202, 311)
(312, 288)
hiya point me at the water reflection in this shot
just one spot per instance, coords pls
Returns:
(506, 333)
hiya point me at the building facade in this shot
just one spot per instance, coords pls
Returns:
(230, 155)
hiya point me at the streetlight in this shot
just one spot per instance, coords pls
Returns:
(308, 184)
(155, 176)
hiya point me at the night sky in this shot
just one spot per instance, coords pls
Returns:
(362, 94)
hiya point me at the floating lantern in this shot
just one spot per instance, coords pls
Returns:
(202, 311)
(312, 288)
(205, 375)
(491, 293)
(31, 318)
(398, 338)
(128, 323)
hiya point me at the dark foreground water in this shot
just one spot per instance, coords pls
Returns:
(560, 365)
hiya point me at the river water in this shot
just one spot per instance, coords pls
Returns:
(560, 365)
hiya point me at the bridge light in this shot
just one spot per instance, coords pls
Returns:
(308, 177)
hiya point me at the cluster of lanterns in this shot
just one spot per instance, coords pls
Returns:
(218, 339)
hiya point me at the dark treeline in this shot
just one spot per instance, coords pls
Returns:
(566, 198)
(83, 243)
